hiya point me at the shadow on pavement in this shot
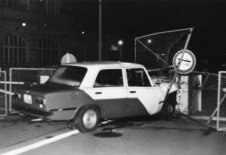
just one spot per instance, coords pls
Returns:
(108, 129)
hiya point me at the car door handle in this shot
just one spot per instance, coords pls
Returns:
(98, 92)
(132, 92)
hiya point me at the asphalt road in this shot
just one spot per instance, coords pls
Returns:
(143, 136)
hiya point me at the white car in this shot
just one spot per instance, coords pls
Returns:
(85, 93)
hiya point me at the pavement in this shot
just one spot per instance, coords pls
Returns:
(17, 130)
(145, 135)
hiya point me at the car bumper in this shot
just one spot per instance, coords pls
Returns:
(31, 111)
(52, 115)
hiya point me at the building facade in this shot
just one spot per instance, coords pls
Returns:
(34, 33)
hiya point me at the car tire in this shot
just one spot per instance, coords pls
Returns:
(169, 110)
(87, 119)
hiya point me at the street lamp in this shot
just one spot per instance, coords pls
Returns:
(120, 44)
(23, 24)
(149, 41)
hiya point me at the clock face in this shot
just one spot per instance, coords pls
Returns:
(184, 61)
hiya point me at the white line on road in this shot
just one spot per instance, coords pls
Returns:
(41, 143)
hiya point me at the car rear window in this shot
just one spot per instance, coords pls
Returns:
(68, 75)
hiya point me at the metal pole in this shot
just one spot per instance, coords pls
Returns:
(28, 4)
(47, 7)
(188, 39)
(120, 53)
(100, 31)
(135, 50)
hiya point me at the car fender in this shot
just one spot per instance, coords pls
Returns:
(73, 102)
(164, 88)
(84, 100)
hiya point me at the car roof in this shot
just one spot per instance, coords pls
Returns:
(101, 64)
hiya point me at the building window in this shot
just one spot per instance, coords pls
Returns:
(48, 6)
(14, 50)
(47, 52)
(9, 3)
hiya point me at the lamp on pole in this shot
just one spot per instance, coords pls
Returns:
(100, 32)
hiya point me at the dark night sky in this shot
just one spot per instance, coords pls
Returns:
(132, 18)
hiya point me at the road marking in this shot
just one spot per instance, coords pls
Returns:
(41, 143)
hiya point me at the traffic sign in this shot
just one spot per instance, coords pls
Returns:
(184, 61)
(68, 58)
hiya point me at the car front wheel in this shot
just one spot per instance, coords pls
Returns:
(169, 110)
(87, 119)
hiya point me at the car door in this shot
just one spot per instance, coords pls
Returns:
(143, 98)
(110, 93)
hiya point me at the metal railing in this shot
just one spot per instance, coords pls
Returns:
(3, 96)
(26, 76)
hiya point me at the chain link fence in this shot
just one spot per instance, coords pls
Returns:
(156, 50)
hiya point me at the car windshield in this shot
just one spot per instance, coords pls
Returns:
(68, 75)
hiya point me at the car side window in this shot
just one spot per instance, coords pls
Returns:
(109, 78)
(137, 77)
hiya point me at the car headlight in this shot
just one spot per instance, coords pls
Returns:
(41, 102)
(27, 98)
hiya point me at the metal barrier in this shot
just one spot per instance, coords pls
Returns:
(3, 96)
(204, 92)
(213, 95)
(28, 76)
(220, 110)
